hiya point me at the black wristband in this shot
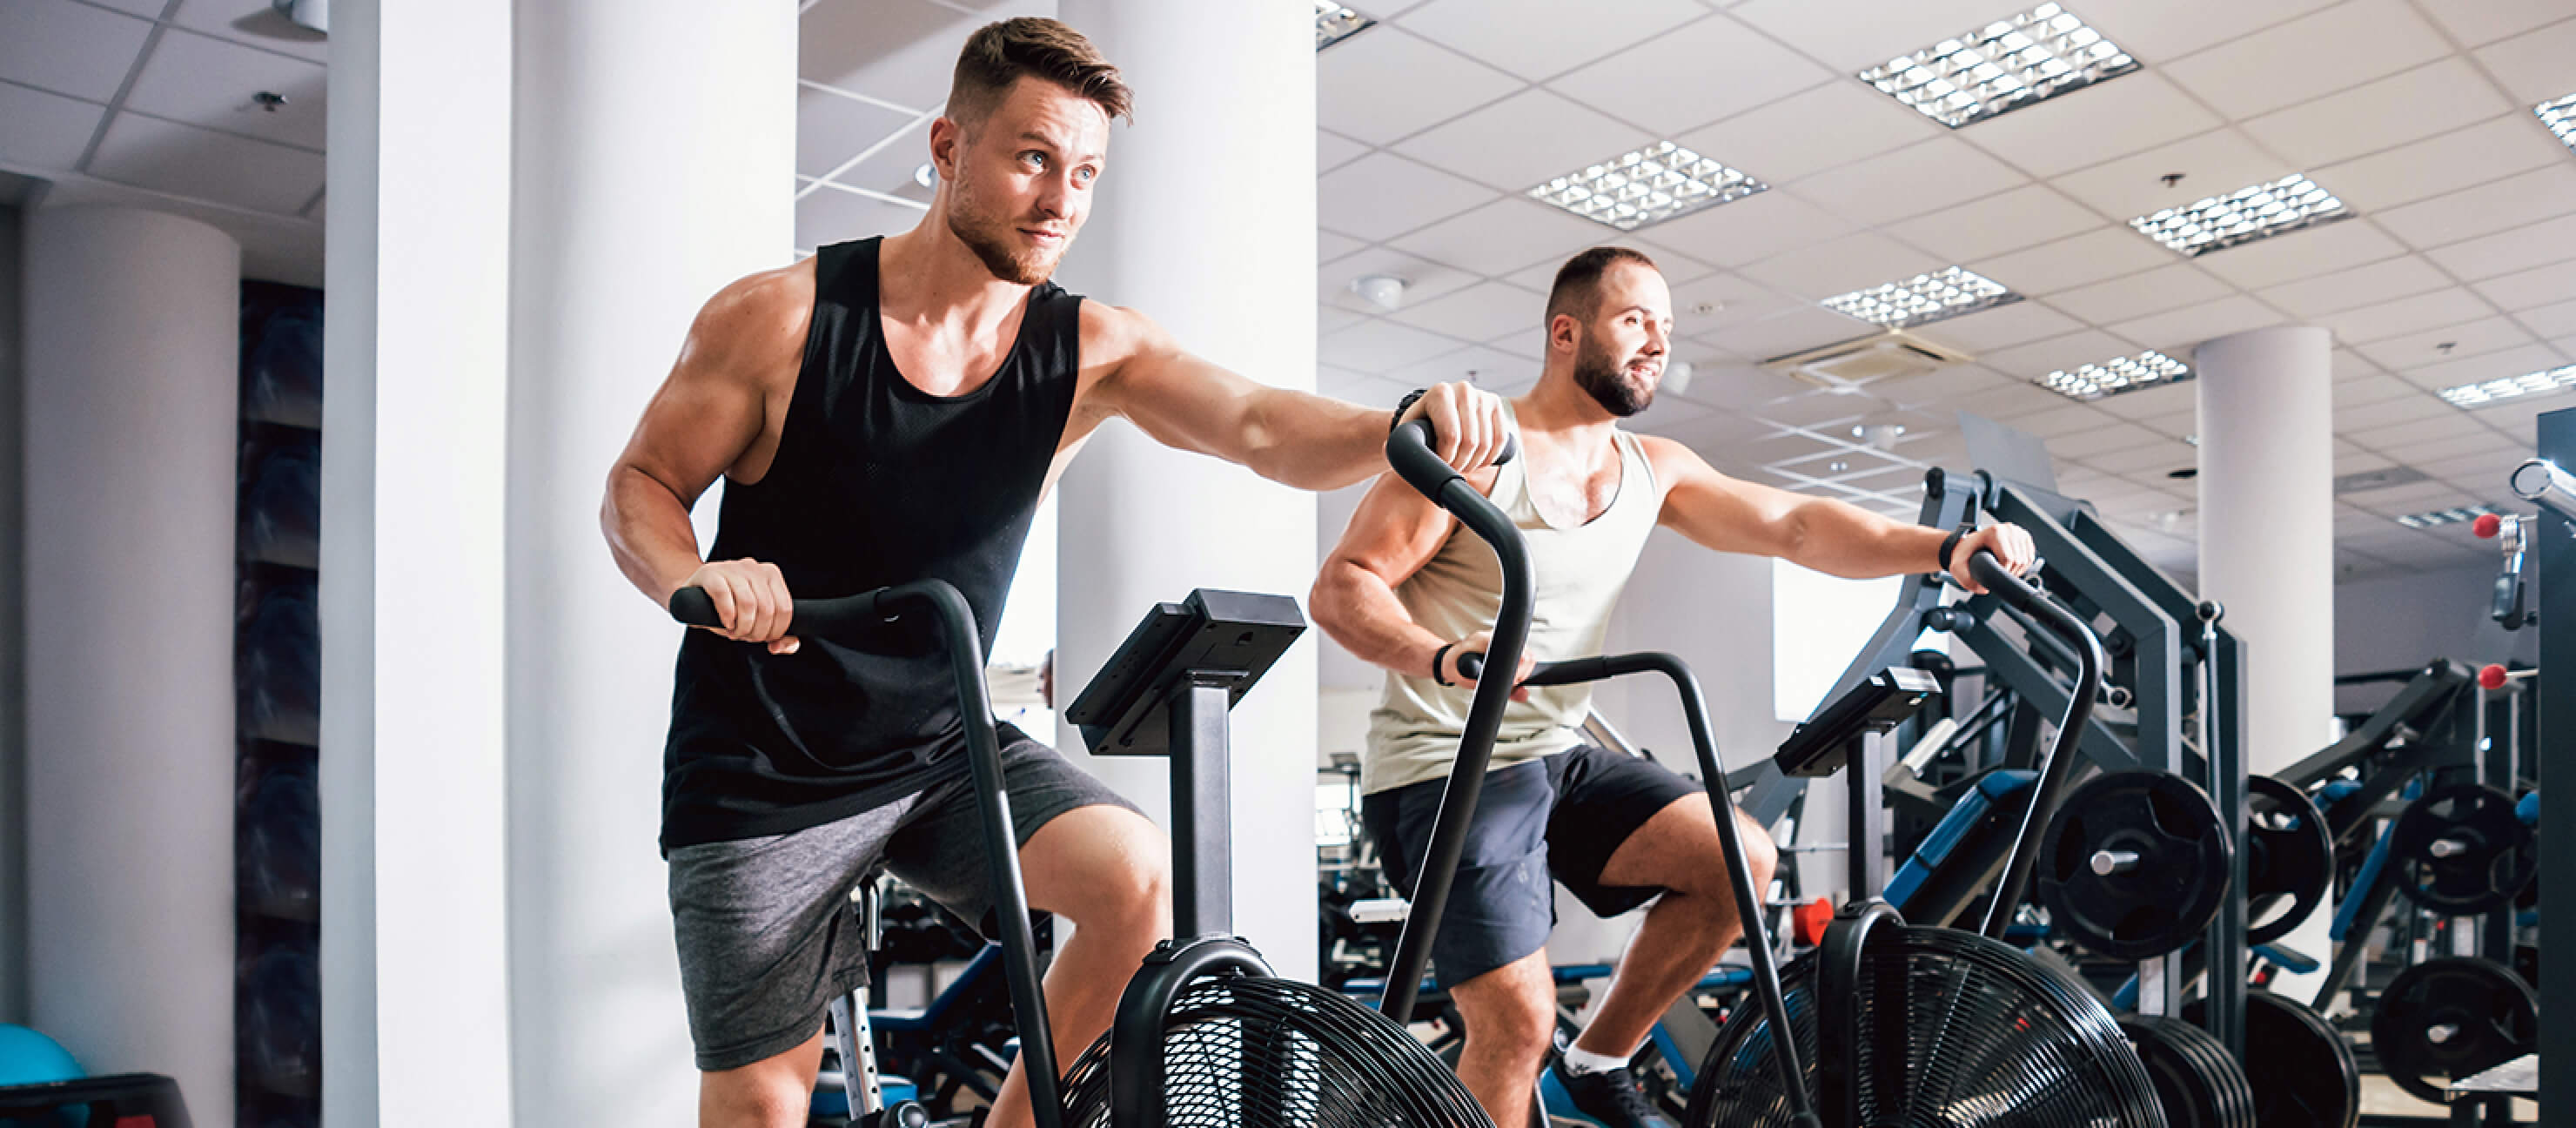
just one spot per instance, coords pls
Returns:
(1402, 406)
(1950, 544)
(1440, 663)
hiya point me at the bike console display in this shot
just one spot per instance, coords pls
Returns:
(1819, 747)
(1227, 638)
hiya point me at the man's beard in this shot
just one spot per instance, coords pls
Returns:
(989, 239)
(1607, 381)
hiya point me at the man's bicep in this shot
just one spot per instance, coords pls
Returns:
(713, 407)
(1394, 532)
(1716, 511)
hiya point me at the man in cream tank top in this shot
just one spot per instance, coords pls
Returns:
(1411, 591)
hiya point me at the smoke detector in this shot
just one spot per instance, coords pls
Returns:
(1847, 366)
(1677, 376)
(1385, 291)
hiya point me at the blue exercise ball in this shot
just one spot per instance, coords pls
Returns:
(30, 1058)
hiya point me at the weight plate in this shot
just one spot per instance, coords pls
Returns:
(2289, 859)
(2445, 1019)
(2302, 1073)
(2461, 849)
(2134, 865)
(2196, 1082)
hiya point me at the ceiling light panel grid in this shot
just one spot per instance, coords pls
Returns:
(2560, 117)
(2117, 376)
(1923, 299)
(2511, 387)
(2243, 216)
(1335, 23)
(2001, 67)
(1647, 186)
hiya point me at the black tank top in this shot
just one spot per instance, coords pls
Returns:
(875, 482)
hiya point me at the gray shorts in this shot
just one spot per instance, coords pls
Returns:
(766, 936)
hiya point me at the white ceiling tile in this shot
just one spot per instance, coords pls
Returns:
(2555, 320)
(2009, 401)
(2093, 124)
(1329, 246)
(1677, 268)
(1751, 229)
(1795, 331)
(2001, 327)
(1382, 195)
(148, 9)
(2160, 31)
(2164, 454)
(1741, 387)
(1423, 280)
(2066, 419)
(1853, 35)
(2475, 22)
(2511, 202)
(45, 131)
(1378, 347)
(2314, 55)
(2321, 250)
(832, 128)
(2533, 66)
(1850, 263)
(1480, 312)
(2547, 285)
(1940, 388)
(2151, 405)
(2510, 143)
(2441, 421)
(1389, 83)
(2008, 221)
(2213, 164)
(2422, 350)
(1506, 235)
(2504, 252)
(1910, 181)
(169, 157)
(1523, 140)
(2349, 364)
(2514, 361)
(903, 53)
(2037, 359)
(829, 216)
(1705, 308)
(2386, 280)
(1500, 373)
(2356, 418)
(2188, 327)
(2408, 315)
(2124, 299)
(1808, 132)
(1691, 76)
(1332, 150)
(2419, 103)
(1329, 320)
(1357, 387)
(2091, 257)
(2376, 387)
(2357, 460)
(209, 82)
(252, 23)
(2439, 452)
(68, 48)
(1534, 39)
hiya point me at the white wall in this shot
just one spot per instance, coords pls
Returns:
(13, 691)
(2400, 622)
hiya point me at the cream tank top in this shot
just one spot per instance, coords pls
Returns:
(1579, 573)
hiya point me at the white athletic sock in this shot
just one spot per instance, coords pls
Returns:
(1580, 1061)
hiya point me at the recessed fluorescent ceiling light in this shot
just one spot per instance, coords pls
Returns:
(2001, 67)
(2452, 516)
(2243, 216)
(2510, 387)
(1647, 186)
(2112, 377)
(2560, 117)
(1335, 23)
(1923, 299)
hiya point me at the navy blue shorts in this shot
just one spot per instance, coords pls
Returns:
(1559, 817)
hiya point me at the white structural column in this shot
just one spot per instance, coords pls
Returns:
(655, 152)
(415, 946)
(2267, 537)
(131, 401)
(1205, 221)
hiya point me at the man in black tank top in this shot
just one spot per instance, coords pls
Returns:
(893, 410)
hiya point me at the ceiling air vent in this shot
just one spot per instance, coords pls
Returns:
(2378, 479)
(1849, 365)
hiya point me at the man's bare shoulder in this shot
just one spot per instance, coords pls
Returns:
(1111, 334)
(756, 324)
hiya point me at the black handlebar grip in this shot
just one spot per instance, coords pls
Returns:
(693, 606)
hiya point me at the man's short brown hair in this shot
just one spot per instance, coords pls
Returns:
(1577, 290)
(999, 54)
